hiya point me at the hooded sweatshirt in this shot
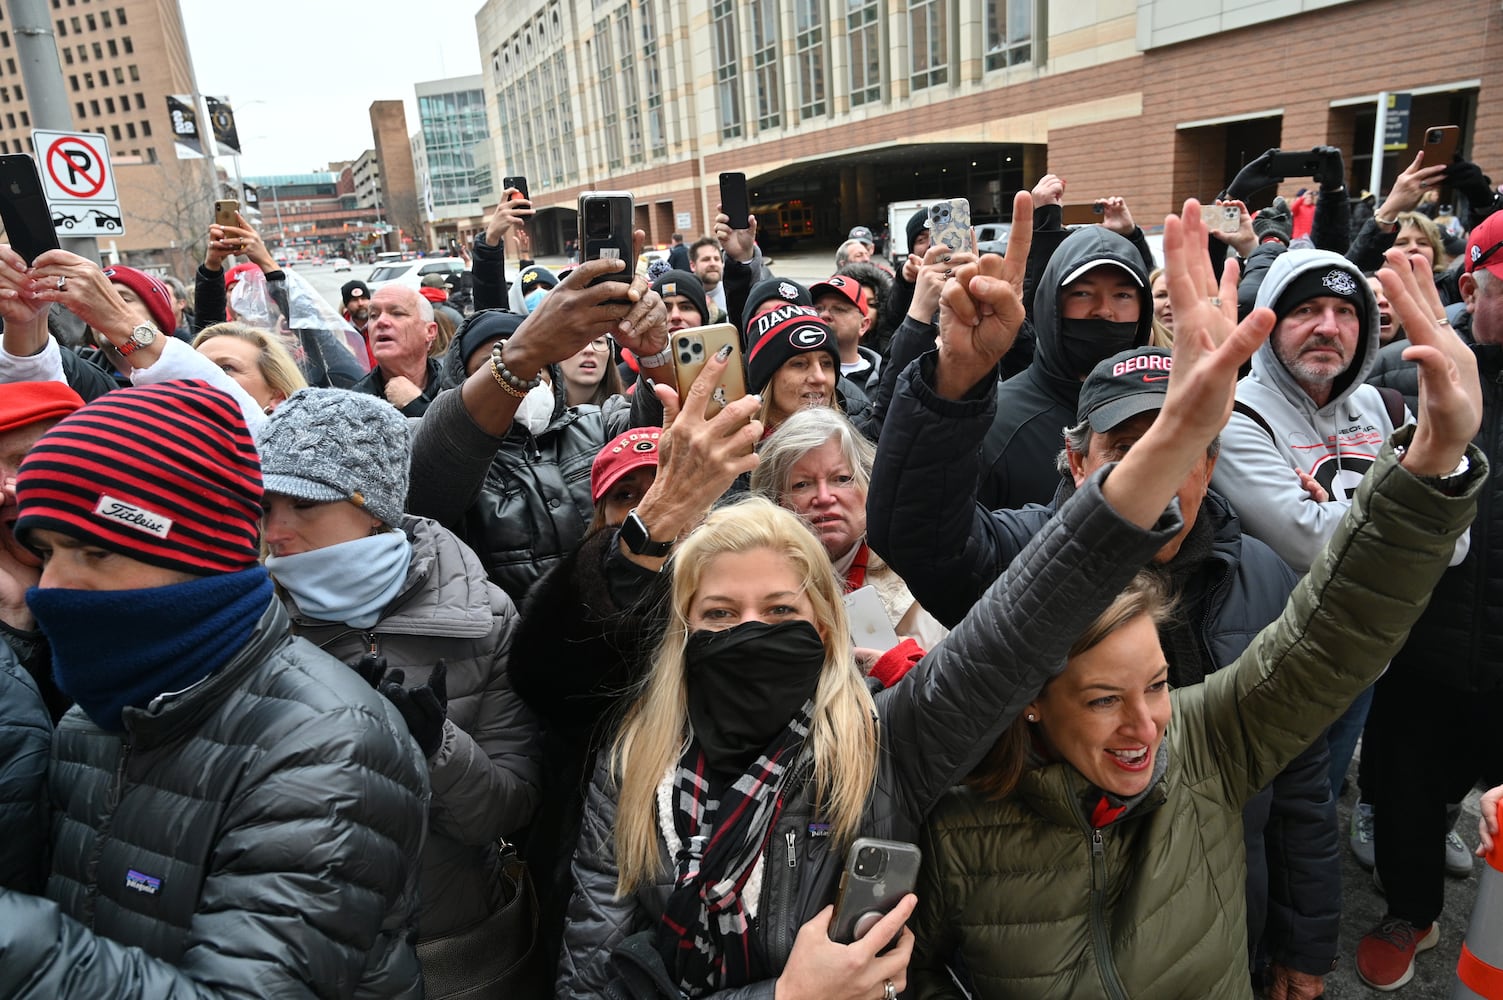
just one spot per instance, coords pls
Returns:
(1336, 443)
(1034, 408)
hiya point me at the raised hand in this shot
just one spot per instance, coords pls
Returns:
(1116, 217)
(1450, 394)
(739, 244)
(981, 309)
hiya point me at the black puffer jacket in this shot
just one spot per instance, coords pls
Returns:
(949, 549)
(25, 732)
(374, 384)
(486, 773)
(1034, 407)
(522, 502)
(256, 835)
(934, 727)
(1458, 641)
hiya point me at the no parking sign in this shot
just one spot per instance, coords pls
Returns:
(79, 183)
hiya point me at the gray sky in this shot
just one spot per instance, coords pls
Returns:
(301, 74)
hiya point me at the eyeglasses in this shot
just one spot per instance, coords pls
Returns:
(1483, 258)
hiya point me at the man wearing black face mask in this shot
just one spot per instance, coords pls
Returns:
(1091, 303)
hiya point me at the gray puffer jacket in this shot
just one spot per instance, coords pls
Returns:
(254, 836)
(934, 728)
(486, 773)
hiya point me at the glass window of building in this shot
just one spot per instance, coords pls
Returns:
(1009, 32)
(764, 27)
(727, 67)
(657, 135)
(863, 32)
(610, 109)
(627, 55)
(928, 43)
(809, 46)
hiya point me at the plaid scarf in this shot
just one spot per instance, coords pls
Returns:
(724, 828)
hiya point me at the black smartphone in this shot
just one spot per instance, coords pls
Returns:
(733, 200)
(23, 208)
(1294, 164)
(1441, 143)
(520, 183)
(877, 875)
(605, 231)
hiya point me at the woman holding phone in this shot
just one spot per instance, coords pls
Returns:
(715, 830)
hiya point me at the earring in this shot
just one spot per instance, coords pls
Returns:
(266, 409)
(1032, 718)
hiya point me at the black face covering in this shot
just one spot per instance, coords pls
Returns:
(1084, 343)
(746, 683)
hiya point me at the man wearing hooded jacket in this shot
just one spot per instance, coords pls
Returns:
(1090, 303)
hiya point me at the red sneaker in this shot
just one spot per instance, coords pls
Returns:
(1385, 955)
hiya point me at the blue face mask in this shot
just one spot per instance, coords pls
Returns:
(531, 299)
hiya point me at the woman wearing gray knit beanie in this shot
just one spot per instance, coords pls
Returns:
(404, 602)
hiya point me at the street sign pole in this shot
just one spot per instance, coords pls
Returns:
(36, 46)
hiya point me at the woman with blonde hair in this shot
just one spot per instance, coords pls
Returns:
(715, 829)
(255, 358)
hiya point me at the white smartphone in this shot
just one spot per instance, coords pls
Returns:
(869, 624)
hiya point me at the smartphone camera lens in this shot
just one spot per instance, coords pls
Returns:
(868, 862)
(597, 220)
(1432, 136)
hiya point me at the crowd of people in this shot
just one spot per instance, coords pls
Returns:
(394, 651)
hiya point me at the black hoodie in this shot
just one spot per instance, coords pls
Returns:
(1034, 408)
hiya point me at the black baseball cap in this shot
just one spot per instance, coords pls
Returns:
(1123, 386)
(354, 290)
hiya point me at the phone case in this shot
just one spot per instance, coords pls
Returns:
(733, 200)
(23, 208)
(696, 345)
(224, 212)
(1441, 142)
(950, 224)
(1222, 218)
(870, 626)
(1297, 164)
(605, 231)
(520, 183)
(864, 900)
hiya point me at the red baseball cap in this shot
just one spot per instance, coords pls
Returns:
(849, 287)
(1484, 247)
(635, 449)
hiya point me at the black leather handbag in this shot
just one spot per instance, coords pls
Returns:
(497, 958)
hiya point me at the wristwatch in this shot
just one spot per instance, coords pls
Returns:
(139, 338)
(634, 534)
(657, 360)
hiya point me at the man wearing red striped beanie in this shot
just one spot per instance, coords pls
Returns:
(232, 807)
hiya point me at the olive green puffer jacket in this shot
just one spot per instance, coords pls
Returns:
(1036, 903)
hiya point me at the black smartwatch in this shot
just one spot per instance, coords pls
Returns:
(634, 534)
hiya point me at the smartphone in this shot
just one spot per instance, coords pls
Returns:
(1221, 218)
(605, 230)
(870, 626)
(698, 344)
(1441, 143)
(1282, 164)
(950, 224)
(520, 183)
(877, 875)
(23, 209)
(224, 212)
(733, 200)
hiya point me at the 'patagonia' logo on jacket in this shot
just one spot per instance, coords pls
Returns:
(142, 882)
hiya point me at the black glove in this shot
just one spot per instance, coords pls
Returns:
(423, 707)
(1468, 178)
(1332, 170)
(1275, 221)
(372, 667)
(1250, 179)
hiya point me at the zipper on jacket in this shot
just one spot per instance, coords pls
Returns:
(792, 853)
(780, 894)
(1103, 945)
(119, 784)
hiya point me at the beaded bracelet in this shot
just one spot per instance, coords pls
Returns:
(504, 377)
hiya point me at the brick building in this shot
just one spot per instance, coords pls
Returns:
(398, 180)
(846, 105)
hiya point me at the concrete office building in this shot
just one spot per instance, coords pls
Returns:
(838, 107)
(120, 59)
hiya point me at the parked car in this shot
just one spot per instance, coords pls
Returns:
(411, 272)
(991, 237)
(340, 263)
